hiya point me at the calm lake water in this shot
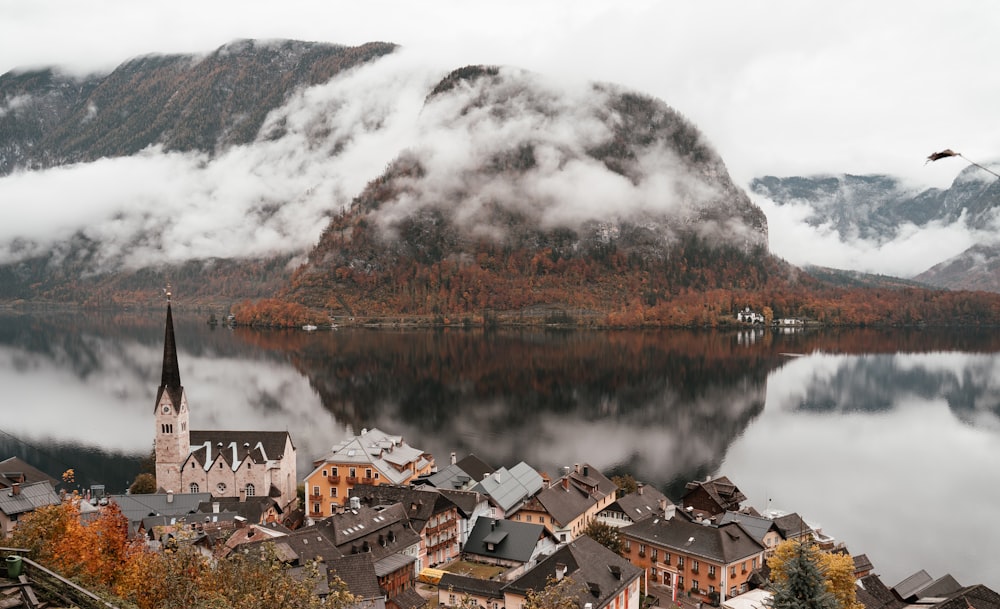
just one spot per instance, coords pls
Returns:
(888, 440)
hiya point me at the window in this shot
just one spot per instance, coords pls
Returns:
(529, 518)
(680, 562)
(694, 585)
(732, 592)
(368, 473)
(251, 491)
(353, 472)
(680, 582)
(541, 519)
(754, 563)
(324, 473)
(666, 558)
(743, 587)
(694, 566)
(333, 508)
(194, 488)
(316, 491)
(642, 550)
(451, 599)
(732, 571)
(333, 472)
(655, 554)
(333, 491)
(711, 589)
(744, 566)
(711, 570)
(315, 508)
(628, 545)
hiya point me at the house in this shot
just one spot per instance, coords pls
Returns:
(507, 490)
(600, 578)
(383, 532)
(19, 499)
(470, 505)
(253, 510)
(748, 316)
(458, 475)
(712, 562)
(224, 463)
(792, 526)
(712, 497)
(645, 502)
(764, 530)
(373, 457)
(920, 589)
(432, 516)
(15, 470)
(570, 503)
(454, 589)
(513, 545)
(357, 571)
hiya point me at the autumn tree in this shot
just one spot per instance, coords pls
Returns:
(604, 534)
(801, 578)
(144, 484)
(557, 594)
(626, 484)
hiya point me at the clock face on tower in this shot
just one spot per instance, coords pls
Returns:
(166, 409)
(221, 487)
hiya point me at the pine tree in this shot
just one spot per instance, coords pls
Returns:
(800, 583)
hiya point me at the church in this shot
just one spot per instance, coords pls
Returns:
(225, 463)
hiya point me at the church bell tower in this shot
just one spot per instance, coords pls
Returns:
(173, 439)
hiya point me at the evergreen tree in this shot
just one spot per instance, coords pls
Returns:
(801, 583)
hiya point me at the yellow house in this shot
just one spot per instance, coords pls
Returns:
(570, 503)
(374, 457)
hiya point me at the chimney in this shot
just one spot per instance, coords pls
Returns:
(560, 571)
(565, 483)
(454, 458)
(586, 470)
(215, 507)
(576, 467)
(170, 496)
(15, 489)
(639, 487)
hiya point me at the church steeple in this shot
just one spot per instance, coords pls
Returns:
(171, 378)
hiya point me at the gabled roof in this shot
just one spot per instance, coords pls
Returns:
(170, 379)
(721, 490)
(29, 497)
(253, 509)
(463, 584)
(451, 477)
(978, 596)
(874, 594)
(358, 572)
(15, 469)
(234, 447)
(381, 532)
(641, 504)
(725, 543)
(758, 526)
(791, 526)
(408, 599)
(598, 573)
(504, 539)
(508, 488)
(573, 494)
(419, 505)
(466, 501)
(137, 507)
(388, 454)
(475, 467)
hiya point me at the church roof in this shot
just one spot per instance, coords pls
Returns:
(234, 447)
(170, 379)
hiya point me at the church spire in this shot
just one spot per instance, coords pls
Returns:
(171, 378)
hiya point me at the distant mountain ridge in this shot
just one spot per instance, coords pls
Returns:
(877, 207)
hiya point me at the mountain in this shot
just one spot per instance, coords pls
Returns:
(881, 209)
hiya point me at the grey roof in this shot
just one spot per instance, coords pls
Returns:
(388, 454)
(978, 596)
(463, 584)
(475, 467)
(358, 572)
(30, 497)
(381, 532)
(909, 586)
(508, 488)
(757, 526)
(940, 587)
(392, 563)
(598, 573)
(874, 594)
(791, 526)
(575, 493)
(409, 598)
(725, 543)
(514, 541)
(721, 490)
(420, 505)
(137, 507)
(253, 509)
(451, 477)
(640, 505)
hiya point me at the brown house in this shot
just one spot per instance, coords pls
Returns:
(699, 559)
(712, 497)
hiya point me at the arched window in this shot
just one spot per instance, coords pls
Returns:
(250, 490)
(194, 488)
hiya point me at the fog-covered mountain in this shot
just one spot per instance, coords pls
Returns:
(222, 172)
(880, 211)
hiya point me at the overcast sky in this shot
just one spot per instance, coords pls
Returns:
(778, 87)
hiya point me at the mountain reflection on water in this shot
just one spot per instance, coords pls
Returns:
(863, 423)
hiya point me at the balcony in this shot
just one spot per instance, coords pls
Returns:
(642, 554)
(333, 479)
(352, 480)
(367, 480)
(315, 497)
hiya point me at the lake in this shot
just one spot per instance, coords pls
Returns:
(889, 440)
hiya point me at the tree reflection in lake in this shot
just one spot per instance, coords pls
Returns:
(864, 426)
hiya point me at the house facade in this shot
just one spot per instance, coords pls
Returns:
(709, 562)
(19, 499)
(373, 458)
(570, 503)
(711, 497)
(224, 463)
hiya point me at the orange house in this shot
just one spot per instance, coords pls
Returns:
(374, 457)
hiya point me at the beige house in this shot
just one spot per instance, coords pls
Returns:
(225, 463)
(570, 503)
(373, 457)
